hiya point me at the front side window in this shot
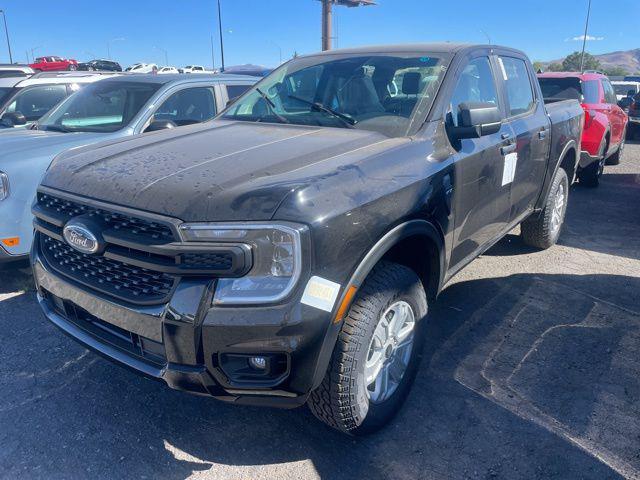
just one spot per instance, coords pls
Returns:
(517, 85)
(476, 84)
(344, 91)
(34, 102)
(234, 91)
(104, 106)
(188, 106)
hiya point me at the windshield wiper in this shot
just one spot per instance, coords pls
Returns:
(272, 106)
(348, 120)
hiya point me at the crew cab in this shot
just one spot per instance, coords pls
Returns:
(114, 108)
(31, 98)
(605, 122)
(50, 64)
(287, 251)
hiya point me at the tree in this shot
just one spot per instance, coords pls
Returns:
(616, 71)
(555, 67)
(539, 66)
(573, 61)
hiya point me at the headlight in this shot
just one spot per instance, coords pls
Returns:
(4, 186)
(277, 260)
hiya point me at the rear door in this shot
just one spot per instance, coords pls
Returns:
(481, 201)
(617, 117)
(526, 165)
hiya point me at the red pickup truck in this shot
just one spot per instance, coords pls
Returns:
(605, 122)
(49, 64)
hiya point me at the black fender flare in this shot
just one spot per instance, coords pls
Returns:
(547, 182)
(373, 256)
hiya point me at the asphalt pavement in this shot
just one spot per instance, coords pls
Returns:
(532, 370)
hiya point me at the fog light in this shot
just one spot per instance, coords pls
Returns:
(259, 363)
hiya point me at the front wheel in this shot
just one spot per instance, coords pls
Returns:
(541, 230)
(377, 353)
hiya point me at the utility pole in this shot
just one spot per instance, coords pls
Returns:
(327, 14)
(221, 41)
(6, 31)
(584, 39)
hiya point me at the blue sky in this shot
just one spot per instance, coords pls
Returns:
(257, 30)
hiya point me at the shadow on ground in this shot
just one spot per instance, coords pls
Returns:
(523, 377)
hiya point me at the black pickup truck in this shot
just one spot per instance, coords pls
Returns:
(286, 252)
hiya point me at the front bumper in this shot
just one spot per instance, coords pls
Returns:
(183, 343)
(6, 257)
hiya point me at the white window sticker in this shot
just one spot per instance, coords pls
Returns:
(509, 171)
(321, 293)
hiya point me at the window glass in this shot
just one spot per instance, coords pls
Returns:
(609, 93)
(234, 91)
(34, 102)
(192, 105)
(345, 91)
(591, 91)
(4, 93)
(561, 88)
(517, 85)
(104, 106)
(476, 84)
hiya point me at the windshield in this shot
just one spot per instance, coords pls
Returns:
(33, 102)
(104, 106)
(381, 93)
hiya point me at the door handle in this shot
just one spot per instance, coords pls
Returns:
(508, 149)
(505, 136)
(542, 134)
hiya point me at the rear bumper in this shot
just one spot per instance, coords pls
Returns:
(185, 345)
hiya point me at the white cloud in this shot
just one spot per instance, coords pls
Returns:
(580, 38)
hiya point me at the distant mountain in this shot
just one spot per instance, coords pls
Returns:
(629, 60)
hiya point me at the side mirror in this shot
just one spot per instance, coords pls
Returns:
(160, 125)
(14, 119)
(476, 119)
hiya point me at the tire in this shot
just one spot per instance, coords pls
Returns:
(542, 230)
(343, 400)
(72, 67)
(616, 157)
(590, 176)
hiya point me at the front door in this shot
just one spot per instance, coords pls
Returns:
(481, 200)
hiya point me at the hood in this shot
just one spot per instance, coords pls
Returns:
(37, 143)
(220, 171)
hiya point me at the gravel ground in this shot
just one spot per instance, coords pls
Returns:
(531, 371)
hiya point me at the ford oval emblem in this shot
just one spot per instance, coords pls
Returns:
(80, 238)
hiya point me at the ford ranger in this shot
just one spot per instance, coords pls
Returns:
(286, 252)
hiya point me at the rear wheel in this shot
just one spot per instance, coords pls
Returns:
(542, 230)
(72, 67)
(377, 353)
(590, 176)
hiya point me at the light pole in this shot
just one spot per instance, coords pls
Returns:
(166, 56)
(33, 58)
(584, 39)
(221, 41)
(6, 31)
(213, 56)
(279, 49)
(327, 13)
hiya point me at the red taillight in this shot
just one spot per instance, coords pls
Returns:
(589, 115)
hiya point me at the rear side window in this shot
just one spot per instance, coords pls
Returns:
(517, 85)
(34, 102)
(476, 84)
(609, 92)
(234, 91)
(568, 88)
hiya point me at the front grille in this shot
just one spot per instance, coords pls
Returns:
(126, 282)
(142, 230)
(213, 261)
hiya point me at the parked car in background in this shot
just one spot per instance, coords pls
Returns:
(110, 109)
(194, 69)
(31, 98)
(632, 78)
(287, 251)
(625, 91)
(605, 122)
(142, 68)
(248, 69)
(168, 71)
(49, 64)
(100, 65)
(634, 116)
(15, 70)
